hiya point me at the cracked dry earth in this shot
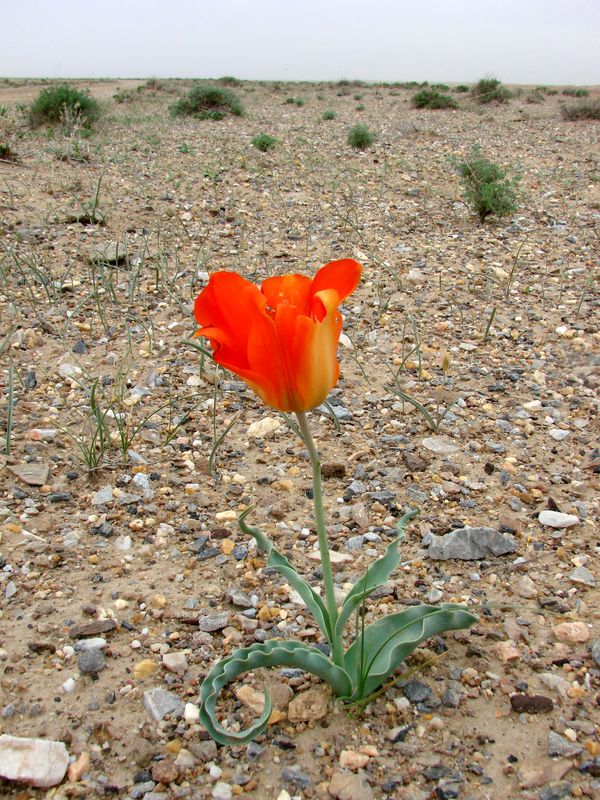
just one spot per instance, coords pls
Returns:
(121, 585)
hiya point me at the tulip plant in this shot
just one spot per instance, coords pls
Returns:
(282, 341)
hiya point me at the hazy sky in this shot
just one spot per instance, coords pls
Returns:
(518, 41)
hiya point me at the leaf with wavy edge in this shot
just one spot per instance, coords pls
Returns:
(376, 575)
(278, 561)
(272, 653)
(386, 643)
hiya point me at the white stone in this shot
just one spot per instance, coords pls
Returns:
(440, 446)
(263, 428)
(222, 791)
(36, 762)
(556, 519)
(175, 662)
(191, 713)
(558, 434)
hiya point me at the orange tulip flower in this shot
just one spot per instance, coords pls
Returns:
(280, 339)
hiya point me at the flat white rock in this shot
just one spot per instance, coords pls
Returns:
(36, 762)
(264, 428)
(439, 445)
(556, 519)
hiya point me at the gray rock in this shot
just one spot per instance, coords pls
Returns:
(239, 598)
(33, 474)
(140, 789)
(158, 702)
(103, 496)
(91, 661)
(416, 692)
(213, 622)
(596, 651)
(295, 777)
(354, 542)
(109, 253)
(471, 543)
(582, 575)
(556, 792)
(560, 746)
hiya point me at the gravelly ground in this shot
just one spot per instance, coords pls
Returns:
(142, 548)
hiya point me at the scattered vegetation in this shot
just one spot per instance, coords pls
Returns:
(572, 91)
(462, 88)
(294, 101)
(360, 137)
(53, 103)
(327, 115)
(264, 142)
(490, 90)
(429, 98)
(587, 109)
(487, 190)
(207, 102)
(229, 80)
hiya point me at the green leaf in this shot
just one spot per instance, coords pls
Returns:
(385, 644)
(375, 576)
(278, 561)
(263, 654)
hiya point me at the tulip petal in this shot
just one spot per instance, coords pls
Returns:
(342, 275)
(290, 290)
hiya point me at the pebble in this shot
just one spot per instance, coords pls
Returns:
(264, 428)
(351, 759)
(558, 434)
(91, 661)
(159, 703)
(572, 632)
(525, 587)
(556, 519)
(440, 446)
(348, 786)
(294, 776)
(560, 746)
(312, 704)
(95, 643)
(416, 691)
(213, 622)
(531, 704)
(35, 762)
(583, 576)
(470, 543)
(596, 652)
(222, 791)
(175, 662)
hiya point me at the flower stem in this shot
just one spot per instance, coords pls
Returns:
(337, 647)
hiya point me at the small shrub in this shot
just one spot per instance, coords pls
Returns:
(328, 115)
(572, 91)
(360, 107)
(462, 88)
(229, 80)
(428, 98)
(294, 101)
(123, 96)
(440, 87)
(587, 109)
(3, 111)
(358, 96)
(486, 188)
(264, 142)
(52, 104)
(207, 102)
(7, 153)
(360, 137)
(490, 90)
(536, 97)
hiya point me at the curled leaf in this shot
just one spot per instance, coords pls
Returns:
(386, 643)
(271, 653)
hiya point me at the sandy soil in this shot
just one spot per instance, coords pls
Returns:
(492, 328)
